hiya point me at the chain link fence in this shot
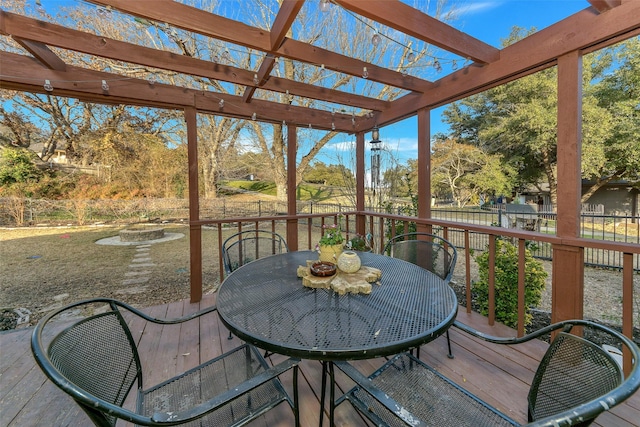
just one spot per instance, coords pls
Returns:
(15, 211)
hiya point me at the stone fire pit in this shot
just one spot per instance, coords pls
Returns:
(133, 235)
(141, 234)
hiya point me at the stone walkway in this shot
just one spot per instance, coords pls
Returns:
(140, 268)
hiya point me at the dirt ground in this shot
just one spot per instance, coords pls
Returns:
(46, 267)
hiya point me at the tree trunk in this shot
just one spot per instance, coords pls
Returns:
(551, 178)
(278, 162)
(210, 170)
(214, 136)
(600, 182)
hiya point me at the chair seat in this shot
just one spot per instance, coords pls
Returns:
(211, 380)
(95, 360)
(576, 380)
(425, 395)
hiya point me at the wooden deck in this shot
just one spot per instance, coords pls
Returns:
(499, 375)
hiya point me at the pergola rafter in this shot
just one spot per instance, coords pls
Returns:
(604, 5)
(404, 18)
(608, 20)
(207, 24)
(42, 52)
(281, 25)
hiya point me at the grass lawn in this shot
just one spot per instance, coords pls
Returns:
(44, 267)
(305, 191)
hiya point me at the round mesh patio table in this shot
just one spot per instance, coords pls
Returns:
(265, 304)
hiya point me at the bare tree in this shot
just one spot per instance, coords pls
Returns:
(338, 31)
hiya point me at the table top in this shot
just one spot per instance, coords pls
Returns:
(265, 303)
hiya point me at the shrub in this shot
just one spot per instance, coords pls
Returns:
(406, 210)
(506, 283)
(17, 166)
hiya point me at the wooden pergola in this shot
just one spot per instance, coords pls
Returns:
(601, 24)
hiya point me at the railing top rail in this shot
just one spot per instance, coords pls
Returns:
(519, 234)
(270, 218)
(497, 231)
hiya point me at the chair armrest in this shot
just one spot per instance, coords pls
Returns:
(224, 398)
(566, 326)
(382, 397)
(155, 319)
(115, 303)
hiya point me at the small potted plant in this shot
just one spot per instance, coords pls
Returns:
(360, 243)
(331, 243)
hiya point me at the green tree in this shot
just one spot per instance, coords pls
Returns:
(397, 179)
(464, 172)
(618, 94)
(519, 121)
(17, 166)
(336, 175)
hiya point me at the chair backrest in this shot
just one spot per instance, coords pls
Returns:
(249, 245)
(426, 250)
(572, 372)
(95, 356)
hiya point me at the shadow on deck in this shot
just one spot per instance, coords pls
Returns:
(500, 375)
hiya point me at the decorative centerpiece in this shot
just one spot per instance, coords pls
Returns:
(341, 283)
(331, 243)
(349, 262)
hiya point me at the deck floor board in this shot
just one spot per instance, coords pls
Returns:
(498, 374)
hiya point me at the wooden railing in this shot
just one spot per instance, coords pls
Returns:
(304, 230)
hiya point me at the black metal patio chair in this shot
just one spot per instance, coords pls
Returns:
(576, 380)
(96, 361)
(428, 251)
(249, 245)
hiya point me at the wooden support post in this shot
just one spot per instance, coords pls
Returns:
(195, 230)
(567, 296)
(360, 175)
(627, 306)
(467, 270)
(568, 262)
(292, 168)
(424, 167)
(492, 280)
(521, 286)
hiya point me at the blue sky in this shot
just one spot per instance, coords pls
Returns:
(489, 21)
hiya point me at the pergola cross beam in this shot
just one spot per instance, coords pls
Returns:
(406, 19)
(42, 52)
(29, 75)
(28, 29)
(211, 25)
